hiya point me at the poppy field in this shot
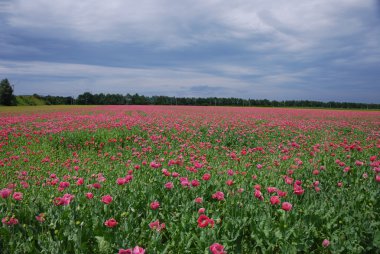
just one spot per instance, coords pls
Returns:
(177, 179)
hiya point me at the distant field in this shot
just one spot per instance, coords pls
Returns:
(177, 179)
(41, 108)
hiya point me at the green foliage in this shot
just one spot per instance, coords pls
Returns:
(6, 93)
(29, 100)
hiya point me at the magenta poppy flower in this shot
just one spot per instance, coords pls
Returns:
(17, 196)
(229, 182)
(230, 172)
(67, 198)
(97, 185)
(107, 199)
(156, 225)
(218, 195)
(4, 193)
(217, 248)
(120, 181)
(9, 221)
(111, 223)
(125, 251)
(198, 200)
(80, 181)
(206, 177)
(169, 185)
(64, 185)
(40, 217)
(195, 183)
(286, 206)
(204, 221)
(128, 178)
(184, 181)
(259, 195)
(275, 200)
(138, 250)
(135, 250)
(155, 205)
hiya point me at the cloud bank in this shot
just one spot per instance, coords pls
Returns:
(320, 50)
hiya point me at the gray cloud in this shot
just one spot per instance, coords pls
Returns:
(259, 49)
(292, 25)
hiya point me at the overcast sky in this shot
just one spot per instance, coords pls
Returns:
(280, 49)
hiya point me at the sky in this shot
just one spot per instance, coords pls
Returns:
(324, 50)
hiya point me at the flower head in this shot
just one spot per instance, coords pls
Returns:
(218, 195)
(107, 199)
(286, 206)
(111, 223)
(217, 248)
(155, 205)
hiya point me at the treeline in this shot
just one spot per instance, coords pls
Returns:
(136, 99)
(7, 98)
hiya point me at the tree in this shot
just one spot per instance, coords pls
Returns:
(6, 94)
(86, 99)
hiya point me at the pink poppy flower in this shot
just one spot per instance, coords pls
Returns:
(125, 251)
(9, 221)
(198, 200)
(120, 181)
(138, 250)
(157, 226)
(229, 182)
(4, 193)
(286, 206)
(325, 243)
(155, 205)
(40, 217)
(275, 200)
(204, 221)
(17, 196)
(282, 193)
(217, 248)
(107, 199)
(218, 195)
(259, 195)
(111, 223)
(206, 177)
(169, 185)
(195, 183)
(184, 181)
(80, 181)
(128, 178)
(201, 210)
(97, 185)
